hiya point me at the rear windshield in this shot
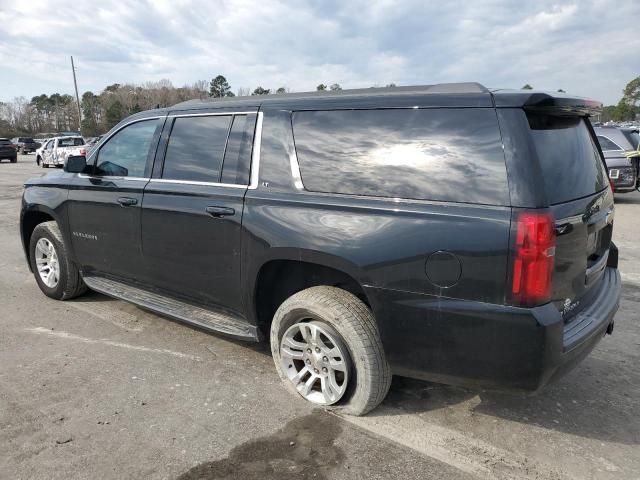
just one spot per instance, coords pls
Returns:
(26, 140)
(446, 154)
(4, 141)
(570, 161)
(633, 137)
(70, 142)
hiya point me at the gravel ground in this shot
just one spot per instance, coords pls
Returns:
(97, 388)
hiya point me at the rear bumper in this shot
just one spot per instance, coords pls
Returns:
(491, 346)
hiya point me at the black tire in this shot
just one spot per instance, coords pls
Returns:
(38, 160)
(347, 315)
(14, 159)
(70, 283)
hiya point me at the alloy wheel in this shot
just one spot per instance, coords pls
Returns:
(316, 361)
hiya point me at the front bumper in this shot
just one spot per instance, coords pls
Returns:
(499, 347)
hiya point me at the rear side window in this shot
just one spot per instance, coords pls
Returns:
(607, 144)
(570, 161)
(196, 148)
(424, 154)
(237, 158)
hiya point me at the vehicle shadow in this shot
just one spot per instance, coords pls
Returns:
(630, 198)
(592, 401)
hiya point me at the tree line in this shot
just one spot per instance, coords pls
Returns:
(49, 114)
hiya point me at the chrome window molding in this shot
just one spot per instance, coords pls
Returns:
(195, 182)
(295, 171)
(255, 153)
(209, 114)
(113, 177)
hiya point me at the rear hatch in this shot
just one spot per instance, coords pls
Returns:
(7, 148)
(581, 202)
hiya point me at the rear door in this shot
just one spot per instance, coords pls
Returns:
(104, 207)
(574, 179)
(192, 207)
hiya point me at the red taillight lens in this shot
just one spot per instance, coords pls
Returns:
(612, 185)
(83, 151)
(533, 261)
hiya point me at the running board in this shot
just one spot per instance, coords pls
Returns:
(176, 309)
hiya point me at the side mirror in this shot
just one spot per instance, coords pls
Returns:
(75, 164)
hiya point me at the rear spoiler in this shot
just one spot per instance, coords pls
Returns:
(547, 102)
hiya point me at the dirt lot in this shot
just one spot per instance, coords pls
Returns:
(97, 388)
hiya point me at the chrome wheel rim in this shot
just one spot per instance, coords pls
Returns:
(315, 361)
(47, 263)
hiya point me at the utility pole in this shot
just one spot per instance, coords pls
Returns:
(75, 84)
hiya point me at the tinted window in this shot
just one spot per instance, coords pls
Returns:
(237, 158)
(633, 137)
(126, 153)
(433, 154)
(570, 161)
(196, 147)
(70, 142)
(607, 144)
(4, 142)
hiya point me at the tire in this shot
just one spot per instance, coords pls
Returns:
(14, 159)
(342, 317)
(38, 160)
(70, 283)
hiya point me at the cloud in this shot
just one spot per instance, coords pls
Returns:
(585, 47)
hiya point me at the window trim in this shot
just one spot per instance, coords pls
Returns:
(619, 149)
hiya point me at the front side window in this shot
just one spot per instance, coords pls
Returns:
(196, 148)
(447, 154)
(126, 153)
(607, 144)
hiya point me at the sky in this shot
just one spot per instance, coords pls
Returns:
(588, 48)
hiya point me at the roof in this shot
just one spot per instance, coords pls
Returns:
(468, 94)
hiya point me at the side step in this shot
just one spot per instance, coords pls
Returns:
(176, 309)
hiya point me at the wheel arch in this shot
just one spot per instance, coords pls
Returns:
(30, 219)
(280, 277)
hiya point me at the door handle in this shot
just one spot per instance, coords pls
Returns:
(127, 201)
(220, 212)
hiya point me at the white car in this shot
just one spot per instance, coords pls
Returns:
(55, 151)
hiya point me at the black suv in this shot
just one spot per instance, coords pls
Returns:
(8, 150)
(445, 232)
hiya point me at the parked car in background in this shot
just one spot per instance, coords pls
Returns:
(618, 145)
(58, 149)
(40, 150)
(25, 145)
(444, 232)
(8, 150)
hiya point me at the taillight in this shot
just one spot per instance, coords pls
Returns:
(83, 151)
(612, 185)
(535, 249)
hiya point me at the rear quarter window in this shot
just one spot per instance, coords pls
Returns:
(424, 154)
(569, 158)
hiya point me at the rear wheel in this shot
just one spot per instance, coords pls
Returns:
(38, 160)
(14, 159)
(327, 349)
(55, 274)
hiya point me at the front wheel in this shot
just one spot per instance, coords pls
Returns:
(327, 349)
(55, 274)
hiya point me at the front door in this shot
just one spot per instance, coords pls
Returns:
(192, 208)
(104, 206)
